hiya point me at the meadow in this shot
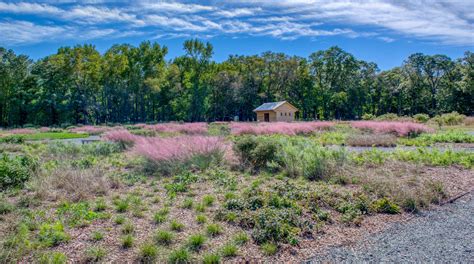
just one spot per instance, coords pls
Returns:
(217, 192)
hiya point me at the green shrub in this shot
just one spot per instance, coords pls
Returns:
(188, 203)
(229, 250)
(256, 151)
(208, 200)
(163, 237)
(13, 139)
(95, 254)
(148, 253)
(388, 117)
(450, 119)
(211, 258)
(120, 219)
(6, 207)
(385, 206)
(14, 170)
(276, 225)
(121, 205)
(421, 118)
(368, 116)
(195, 242)
(52, 234)
(179, 256)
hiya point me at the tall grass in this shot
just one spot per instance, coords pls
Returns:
(122, 137)
(185, 128)
(21, 131)
(169, 154)
(284, 128)
(397, 128)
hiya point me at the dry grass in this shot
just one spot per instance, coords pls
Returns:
(372, 140)
(72, 184)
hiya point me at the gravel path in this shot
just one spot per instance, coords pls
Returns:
(444, 235)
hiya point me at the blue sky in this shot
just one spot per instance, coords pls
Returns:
(382, 31)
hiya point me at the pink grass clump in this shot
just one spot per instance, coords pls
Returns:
(44, 129)
(397, 128)
(121, 136)
(21, 131)
(284, 128)
(93, 130)
(185, 128)
(177, 148)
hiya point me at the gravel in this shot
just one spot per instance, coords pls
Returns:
(444, 235)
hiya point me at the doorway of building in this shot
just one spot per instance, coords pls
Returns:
(266, 117)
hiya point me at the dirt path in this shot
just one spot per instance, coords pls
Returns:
(444, 235)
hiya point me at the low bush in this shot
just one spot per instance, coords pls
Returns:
(15, 170)
(387, 117)
(421, 118)
(52, 234)
(52, 257)
(449, 119)
(368, 117)
(385, 206)
(256, 152)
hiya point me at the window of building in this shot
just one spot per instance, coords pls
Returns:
(289, 114)
(281, 114)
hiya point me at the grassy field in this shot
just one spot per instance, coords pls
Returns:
(219, 192)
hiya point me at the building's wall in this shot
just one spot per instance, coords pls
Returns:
(285, 113)
(261, 116)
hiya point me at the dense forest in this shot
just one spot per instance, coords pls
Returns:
(127, 84)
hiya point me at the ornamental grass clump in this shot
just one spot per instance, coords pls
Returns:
(121, 136)
(401, 129)
(283, 128)
(184, 128)
(170, 155)
(92, 130)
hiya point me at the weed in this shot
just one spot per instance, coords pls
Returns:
(163, 237)
(195, 242)
(179, 256)
(95, 254)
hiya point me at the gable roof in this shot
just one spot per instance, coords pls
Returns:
(272, 106)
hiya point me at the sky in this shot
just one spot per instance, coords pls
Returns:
(382, 31)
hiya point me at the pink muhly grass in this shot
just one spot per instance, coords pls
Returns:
(177, 148)
(278, 128)
(93, 130)
(398, 128)
(44, 129)
(121, 136)
(21, 131)
(185, 128)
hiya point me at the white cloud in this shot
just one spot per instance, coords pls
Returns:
(19, 32)
(446, 22)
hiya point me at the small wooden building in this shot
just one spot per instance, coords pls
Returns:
(276, 111)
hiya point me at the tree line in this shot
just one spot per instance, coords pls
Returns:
(128, 84)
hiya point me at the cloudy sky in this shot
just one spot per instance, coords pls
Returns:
(383, 31)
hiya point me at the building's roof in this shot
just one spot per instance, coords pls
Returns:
(270, 106)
